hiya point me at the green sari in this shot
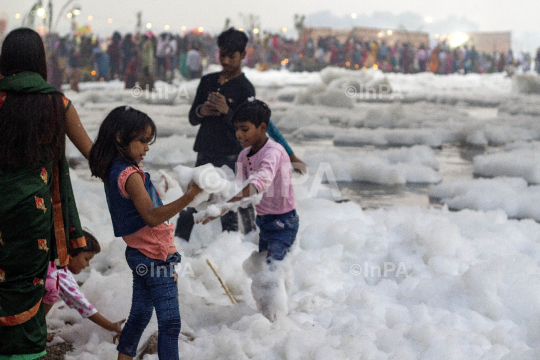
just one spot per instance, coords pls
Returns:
(38, 223)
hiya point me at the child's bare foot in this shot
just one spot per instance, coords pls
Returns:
(50, 337)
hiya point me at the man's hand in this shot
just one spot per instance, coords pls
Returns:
(208, 110)
(218, 102)
(298, 165)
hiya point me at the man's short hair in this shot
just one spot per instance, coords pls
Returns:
(232, 40)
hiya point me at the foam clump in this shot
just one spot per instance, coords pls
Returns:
(209, 178)
(217, 204)
(297, 118)
(511, 194)
(271, 281)
(526, 84)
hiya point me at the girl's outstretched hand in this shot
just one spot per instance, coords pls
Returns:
(193, 189)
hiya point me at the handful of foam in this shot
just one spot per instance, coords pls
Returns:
(210, 179)
(219, 205)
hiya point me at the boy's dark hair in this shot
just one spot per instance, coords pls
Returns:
(253, 110)
(125, 123)
(232, 41)
(92, 245)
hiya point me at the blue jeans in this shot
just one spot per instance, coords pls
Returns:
(153, 287)
(277, 234)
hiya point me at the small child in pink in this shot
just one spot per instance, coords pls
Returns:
(61, 283)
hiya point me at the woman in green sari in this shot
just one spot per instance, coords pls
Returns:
(38, 216)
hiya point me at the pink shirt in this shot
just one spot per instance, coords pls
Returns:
(69, 291)
(272, 176)
(156, 242)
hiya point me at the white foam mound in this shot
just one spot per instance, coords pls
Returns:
(333, 98)
(498, 133)
(388, 117)
(335, 76)
(393, 137)
(311, 132)
(526, 83)
(270, 284)
(287, 94)
(511, 194)
(209, 178)
(296, 118)
(515, 163)
(416, 164)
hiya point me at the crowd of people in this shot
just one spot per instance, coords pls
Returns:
(132, 58)
(147, 57)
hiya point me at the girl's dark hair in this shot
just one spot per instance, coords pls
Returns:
(253, 110)
(232, 40)
(92, 245)
(32, 125)
(123, 125)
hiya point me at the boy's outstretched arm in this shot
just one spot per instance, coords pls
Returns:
(247, 191)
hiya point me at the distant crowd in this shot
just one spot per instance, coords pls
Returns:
(407, 58)
(143, 58)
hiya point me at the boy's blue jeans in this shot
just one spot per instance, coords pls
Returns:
(153, 287)
(277, 233)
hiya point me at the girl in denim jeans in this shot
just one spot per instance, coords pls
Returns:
(267, 166)
(141, 219)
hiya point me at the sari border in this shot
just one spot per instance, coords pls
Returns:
(23, 317)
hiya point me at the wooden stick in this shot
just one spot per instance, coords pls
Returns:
(221, 281)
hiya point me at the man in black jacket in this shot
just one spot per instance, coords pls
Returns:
(218, 96)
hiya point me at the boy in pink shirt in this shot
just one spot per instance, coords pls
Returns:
(268, 167)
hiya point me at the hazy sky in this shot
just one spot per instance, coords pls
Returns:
(517, 16)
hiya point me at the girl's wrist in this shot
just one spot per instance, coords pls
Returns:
(190, 196)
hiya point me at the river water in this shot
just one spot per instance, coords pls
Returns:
(454, 164)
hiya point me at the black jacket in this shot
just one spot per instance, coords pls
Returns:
(217, 136)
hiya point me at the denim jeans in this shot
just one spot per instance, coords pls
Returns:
(153, 287)
(277, 234)
(229, 221)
